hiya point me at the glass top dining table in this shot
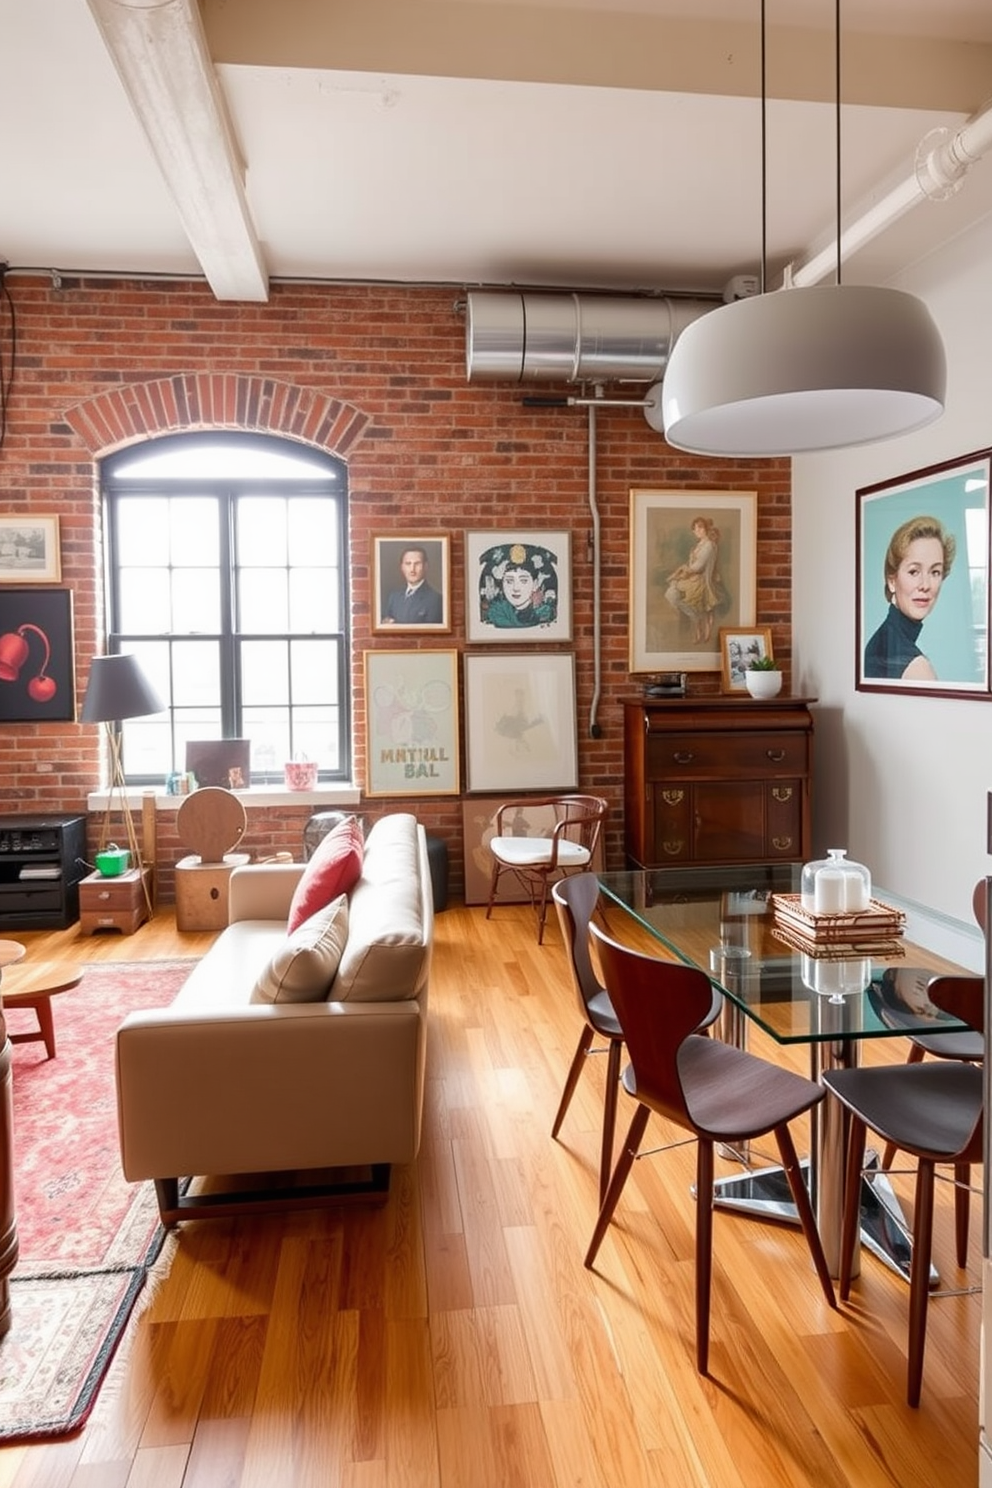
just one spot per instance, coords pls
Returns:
(723, 920)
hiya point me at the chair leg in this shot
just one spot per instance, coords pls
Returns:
(624, 1164)
(572, 1078)
(704, 1251)
(609, 1114)
(919, 1278)
(542, 910)
(497, 870)
(962, 1210)
(888, 1156)
(851, 1225)
(793, 1172)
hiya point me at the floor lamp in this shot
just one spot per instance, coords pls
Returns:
(118, 689)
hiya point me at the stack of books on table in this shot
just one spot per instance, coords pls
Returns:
(874, 931)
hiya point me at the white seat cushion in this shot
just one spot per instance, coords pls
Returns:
(532, 852)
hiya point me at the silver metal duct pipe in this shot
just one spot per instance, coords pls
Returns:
(513, 337)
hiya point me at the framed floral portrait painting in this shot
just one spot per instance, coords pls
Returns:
(518, 586)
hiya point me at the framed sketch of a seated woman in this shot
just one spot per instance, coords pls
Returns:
(518, 586)
(693, 572)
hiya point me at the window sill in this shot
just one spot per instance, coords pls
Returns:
(260, 798)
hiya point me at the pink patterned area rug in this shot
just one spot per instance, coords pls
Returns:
(87, 1237)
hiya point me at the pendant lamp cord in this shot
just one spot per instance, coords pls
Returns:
(837, 116)
(763, 159)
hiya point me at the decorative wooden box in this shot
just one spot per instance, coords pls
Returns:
(113, 903)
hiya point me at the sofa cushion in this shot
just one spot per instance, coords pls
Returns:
(390, 919)
(304, 965)
(334, 869)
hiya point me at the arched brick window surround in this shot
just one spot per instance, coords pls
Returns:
(216, 400)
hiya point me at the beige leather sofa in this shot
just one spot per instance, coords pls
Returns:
(218, 1084)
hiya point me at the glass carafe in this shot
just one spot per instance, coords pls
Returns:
(836, 979)
(833, 885)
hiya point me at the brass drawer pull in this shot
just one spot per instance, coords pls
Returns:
(775, 755)
(683, 756)
(781, 844)
(673, 797)
(782, 792)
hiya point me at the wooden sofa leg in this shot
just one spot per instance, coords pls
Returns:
(167, 1193)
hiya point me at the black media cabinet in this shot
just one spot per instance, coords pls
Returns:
(42, 859)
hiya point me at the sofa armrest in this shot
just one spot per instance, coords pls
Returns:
(262, 891)
(269, 1088)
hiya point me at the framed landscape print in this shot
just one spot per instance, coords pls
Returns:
(29, 549)
(923, 581)
(411, 701)
(518, 586)
(37, 681)
(520, 722)
(693, 570)
(411, 582)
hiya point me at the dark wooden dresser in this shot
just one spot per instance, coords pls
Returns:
(717, 780)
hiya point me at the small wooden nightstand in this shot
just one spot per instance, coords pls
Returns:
(113, 903)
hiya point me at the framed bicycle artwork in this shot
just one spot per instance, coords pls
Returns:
(411, 701)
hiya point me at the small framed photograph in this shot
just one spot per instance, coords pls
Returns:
(738, 648)
(693, 569)
(923, 581)
(518, 586)
(411, 582)
(520, 722)
(29, 549)
(36, 643)
(411, 700)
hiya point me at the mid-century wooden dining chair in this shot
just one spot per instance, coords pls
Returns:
(719, 1093)
(566, 845)
(931, 1110)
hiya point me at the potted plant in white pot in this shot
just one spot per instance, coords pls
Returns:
(763, 678)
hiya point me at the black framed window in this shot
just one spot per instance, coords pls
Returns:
(226, 569)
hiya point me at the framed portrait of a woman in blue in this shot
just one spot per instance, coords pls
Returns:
(518, 586)
(923, 581)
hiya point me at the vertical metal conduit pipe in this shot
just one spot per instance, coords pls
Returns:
(594, 729)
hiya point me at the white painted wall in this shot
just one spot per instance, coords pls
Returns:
(900, 781)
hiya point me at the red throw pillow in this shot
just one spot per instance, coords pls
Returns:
(334, 869)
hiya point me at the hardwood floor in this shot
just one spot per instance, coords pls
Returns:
(453, 1339)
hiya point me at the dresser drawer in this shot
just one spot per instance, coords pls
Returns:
(702, 756)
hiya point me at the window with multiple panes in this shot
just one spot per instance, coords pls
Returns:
(226, 562)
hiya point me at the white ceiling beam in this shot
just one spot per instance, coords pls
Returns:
(159, 50)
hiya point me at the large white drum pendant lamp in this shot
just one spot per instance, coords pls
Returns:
(796, 370)
(804, 369)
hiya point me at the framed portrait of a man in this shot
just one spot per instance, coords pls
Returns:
(411, 582)
(923, 581)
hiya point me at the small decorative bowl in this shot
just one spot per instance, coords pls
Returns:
(300, 775)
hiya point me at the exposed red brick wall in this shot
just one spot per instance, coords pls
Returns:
(376, 375)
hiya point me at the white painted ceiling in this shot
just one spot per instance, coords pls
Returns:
(606, 144)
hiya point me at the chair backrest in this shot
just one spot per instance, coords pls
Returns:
(581, 818)
(575, 901)
(962, 996)
(658, 1004)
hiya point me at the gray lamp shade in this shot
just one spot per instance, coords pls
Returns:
(802, 369)
(117, 689)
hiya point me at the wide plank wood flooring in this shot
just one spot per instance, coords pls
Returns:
(453, 1338)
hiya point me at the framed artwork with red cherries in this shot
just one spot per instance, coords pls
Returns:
(36, 656)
